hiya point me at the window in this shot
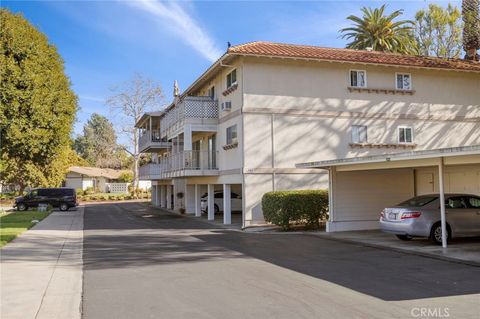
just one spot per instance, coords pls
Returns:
(232, 78)
(403, 81)
(474, 202)
(455, 202)
(359, 134)
(232, 134)
(418, 201)
(211, 92)
(405, 135)
(358, 78)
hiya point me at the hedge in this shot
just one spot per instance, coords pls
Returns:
(299, 206)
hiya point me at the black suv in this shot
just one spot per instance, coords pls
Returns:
(64, 198)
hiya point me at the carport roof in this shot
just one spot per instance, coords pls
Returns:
(403, 156)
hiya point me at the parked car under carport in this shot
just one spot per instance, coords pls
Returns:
(420, 217)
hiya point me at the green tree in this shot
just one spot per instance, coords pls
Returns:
(37, 106)
(471, 28)
(438, 31)
(379, 31)
(98, 144)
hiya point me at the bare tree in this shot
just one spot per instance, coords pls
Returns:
(129, 101)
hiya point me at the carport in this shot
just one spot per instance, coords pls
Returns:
(360, 187)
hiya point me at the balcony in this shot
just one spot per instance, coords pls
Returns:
(186, 163)
(150, 141)
(199, 111)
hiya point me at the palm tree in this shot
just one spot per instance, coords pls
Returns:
(378, 31)
(471, 28)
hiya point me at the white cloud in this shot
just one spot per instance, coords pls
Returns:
(179, 21)
(91, 98)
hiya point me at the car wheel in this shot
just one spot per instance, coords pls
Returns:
(436, 233)
(63, 207)
(404, 237)
(22, 207)
(217, 209)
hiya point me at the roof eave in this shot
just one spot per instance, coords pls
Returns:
(441, 152)
(352, 62)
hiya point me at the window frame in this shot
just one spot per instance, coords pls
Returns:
(231, 82)
(350, 78)
(396, 83)
(211, 90)
(411, 134)
(359, 141)
(232, 140)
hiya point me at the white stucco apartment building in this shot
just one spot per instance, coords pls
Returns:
(262, 109)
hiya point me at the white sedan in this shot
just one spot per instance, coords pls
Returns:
(236, 202)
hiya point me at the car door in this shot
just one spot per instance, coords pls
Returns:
(32, 199)
(41, 197)
(473, 202)
(459, 215)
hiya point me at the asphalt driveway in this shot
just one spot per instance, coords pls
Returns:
(143, 263)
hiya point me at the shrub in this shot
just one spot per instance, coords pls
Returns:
(79, 191)
(89, 190)
(300, 206)
(112, 197)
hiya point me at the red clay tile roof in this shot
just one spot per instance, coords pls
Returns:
(348, 55)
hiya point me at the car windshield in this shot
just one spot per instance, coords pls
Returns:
(418, 201)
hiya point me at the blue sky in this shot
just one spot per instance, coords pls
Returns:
(104, 43)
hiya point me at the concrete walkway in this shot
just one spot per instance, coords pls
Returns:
(41, 270)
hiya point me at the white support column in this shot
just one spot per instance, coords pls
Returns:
(211, 202)
(169, 197)
(227, 204)
(163, 196)
(157, 195)
(153, 191)
(331, 209)
(187, 138)
(441, 190)
(198, 209)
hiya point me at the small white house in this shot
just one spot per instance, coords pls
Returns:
(104, 180)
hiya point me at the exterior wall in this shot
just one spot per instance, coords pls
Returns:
(313, 102)
(458, 179)
(232, 158)
(297, 112)
(360, 196)
(74, 180)
(87, 182)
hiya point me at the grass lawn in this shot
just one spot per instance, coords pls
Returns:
(14, 223)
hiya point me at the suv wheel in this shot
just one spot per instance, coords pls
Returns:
(436, 233)
(63, 207)
(22, 207)
(217, 210)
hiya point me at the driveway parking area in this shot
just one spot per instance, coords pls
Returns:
(144, 263)
(465, 250)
